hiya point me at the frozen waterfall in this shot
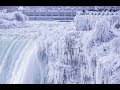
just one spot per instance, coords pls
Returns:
(53, 52)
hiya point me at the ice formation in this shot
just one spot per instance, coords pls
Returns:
(85, 51)
(13, 20)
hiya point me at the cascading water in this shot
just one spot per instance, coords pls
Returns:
(18, 59)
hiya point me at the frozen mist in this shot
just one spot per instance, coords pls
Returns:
(83, 51)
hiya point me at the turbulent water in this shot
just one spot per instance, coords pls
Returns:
(56, 53)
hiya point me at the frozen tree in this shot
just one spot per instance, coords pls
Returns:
(83, 23)
(20, 17)
(103, 32)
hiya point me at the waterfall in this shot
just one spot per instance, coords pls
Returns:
(56, 53)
